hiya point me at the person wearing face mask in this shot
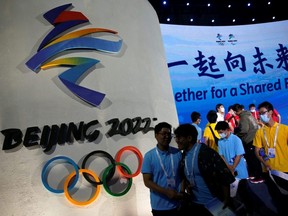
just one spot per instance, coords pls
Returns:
(255, 114)
(272, 140)
(231, 149)
(210, 135)
(220, 112)
(246, 131)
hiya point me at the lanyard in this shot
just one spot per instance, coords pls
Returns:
(281, 175)
(162, 165)
(193, 161)
(275, 137)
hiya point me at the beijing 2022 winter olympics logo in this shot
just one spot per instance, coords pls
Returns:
(56, 42)
(123, 173)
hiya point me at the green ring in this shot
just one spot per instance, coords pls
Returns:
(106, 172)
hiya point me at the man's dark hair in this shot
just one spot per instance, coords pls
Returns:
(267, 105)
(230, 107)
(161, 125)
(222, 125)
(237, 107)
(195, 116)
(211, 116)
(185, 130)
(218, 106)
(251, 105)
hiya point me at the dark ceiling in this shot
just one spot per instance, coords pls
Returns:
(223, 12)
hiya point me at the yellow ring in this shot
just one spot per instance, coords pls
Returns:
(81, 203)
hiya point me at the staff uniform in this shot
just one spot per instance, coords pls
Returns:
(230, 148)
(207, 173)
(280, 161)
(208, 135)
(152, 164)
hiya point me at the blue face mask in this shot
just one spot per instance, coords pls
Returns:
(264, 118)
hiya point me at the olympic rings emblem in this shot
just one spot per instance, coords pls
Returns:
(72, 179)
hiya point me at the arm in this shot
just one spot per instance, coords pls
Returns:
(236, 162)
(227, 164)
(205, 136)
(266, 165)
(206, 141)
(257, 142)
(171, 194)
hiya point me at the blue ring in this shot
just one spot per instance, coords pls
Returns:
(45, 170)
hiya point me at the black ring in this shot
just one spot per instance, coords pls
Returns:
(102, 154)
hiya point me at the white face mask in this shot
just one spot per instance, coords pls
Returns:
(252, 110)
(264, 118)
(222, 135)
(222, 109)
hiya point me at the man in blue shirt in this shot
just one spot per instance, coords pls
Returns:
(161, 173)
(231, 149)
(196, 119)
(207, 176)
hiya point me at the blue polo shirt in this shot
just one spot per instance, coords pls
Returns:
(152, 165)
(230, 148)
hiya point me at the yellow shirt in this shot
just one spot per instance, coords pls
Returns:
(209, 136)
(280, 161)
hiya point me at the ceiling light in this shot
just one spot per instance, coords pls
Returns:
(181, 12)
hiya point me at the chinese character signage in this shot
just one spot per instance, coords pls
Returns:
(227, 64)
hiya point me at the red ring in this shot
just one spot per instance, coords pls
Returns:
(139, 156)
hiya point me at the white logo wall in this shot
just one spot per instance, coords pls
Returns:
(136, 83)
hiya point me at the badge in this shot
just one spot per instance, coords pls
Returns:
(171, 183)
(271, 152)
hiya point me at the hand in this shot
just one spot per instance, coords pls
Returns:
(231, 168)
(268, 167)
(173, 194)
(227, 203)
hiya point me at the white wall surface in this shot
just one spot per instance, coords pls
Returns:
(136, 82)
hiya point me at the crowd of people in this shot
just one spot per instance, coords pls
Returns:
(213, 167)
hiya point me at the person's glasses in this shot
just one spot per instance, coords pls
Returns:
(262, 113)
(166, 134)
